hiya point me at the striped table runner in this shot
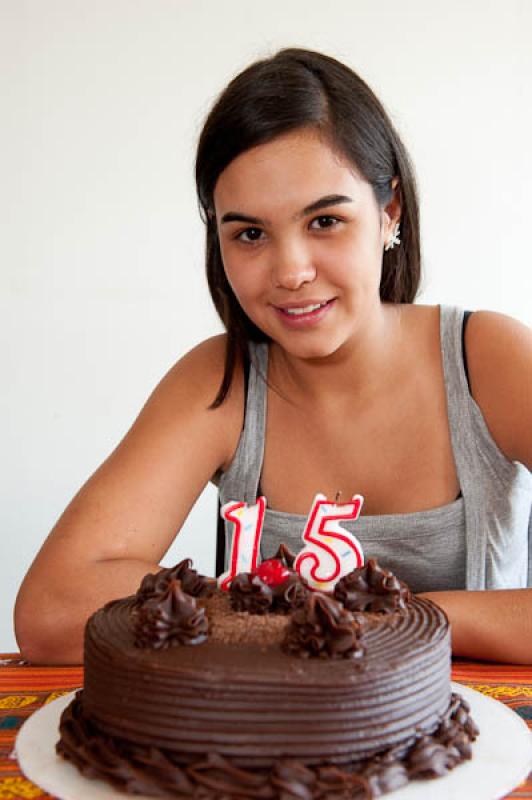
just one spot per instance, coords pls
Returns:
(24, 689)
(512, 685)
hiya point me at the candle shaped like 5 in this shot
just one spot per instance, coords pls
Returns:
(330, 551)
(244, 553)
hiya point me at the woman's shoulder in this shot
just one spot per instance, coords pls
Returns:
(200, 372)
(499, 358)
(188, 390)
(498, 353)
(209, 352)
(202, 368)
(493, 330)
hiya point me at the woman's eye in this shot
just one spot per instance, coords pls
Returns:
(324, 222)
(249, 235)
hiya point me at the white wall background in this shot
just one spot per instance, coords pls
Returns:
(101, 247)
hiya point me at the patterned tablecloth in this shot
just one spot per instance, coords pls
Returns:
(24, 689)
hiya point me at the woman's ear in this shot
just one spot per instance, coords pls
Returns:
(391, 213)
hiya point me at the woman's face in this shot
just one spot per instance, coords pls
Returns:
(301, 238)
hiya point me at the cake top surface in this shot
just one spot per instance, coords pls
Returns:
(224, 643)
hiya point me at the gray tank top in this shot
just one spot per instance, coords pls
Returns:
(479, 541)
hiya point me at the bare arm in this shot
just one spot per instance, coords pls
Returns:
(489, 625)
(499, 353)
(123, 520)
(497, 625)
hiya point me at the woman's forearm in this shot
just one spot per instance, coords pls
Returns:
(489, 625)
(50, 615)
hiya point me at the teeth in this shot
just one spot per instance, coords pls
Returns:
(304, 310)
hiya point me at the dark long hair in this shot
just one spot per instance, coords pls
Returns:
(295, 89)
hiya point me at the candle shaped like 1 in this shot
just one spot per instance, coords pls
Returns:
(244, 553)
(330, 552)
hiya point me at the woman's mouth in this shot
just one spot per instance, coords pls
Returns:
(304, 315)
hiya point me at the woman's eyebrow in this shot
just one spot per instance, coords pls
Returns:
(325, 202)
(317, 205)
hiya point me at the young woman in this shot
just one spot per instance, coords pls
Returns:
(328, 380)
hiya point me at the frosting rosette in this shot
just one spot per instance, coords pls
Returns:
(323, 628)
(153, 584)
(169, 618)
(372, 588)
(249, 593)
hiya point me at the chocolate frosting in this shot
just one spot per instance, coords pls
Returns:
(239, 717)
(323, 628)
(372, 588)
(249, 593)
(169, 617)
(285, 556)
(245, 698)
(191, 582)
(153, 771)
(290, 595)
(385, 773)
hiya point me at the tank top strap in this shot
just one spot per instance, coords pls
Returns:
(464, 443)
(241, 480)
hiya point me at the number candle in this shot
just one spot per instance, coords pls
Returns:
(248, 522)
(330, 552)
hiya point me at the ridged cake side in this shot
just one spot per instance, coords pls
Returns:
(253, 703)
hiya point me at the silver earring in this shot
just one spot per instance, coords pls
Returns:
(395, 238)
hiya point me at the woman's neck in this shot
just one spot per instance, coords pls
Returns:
(362, 367)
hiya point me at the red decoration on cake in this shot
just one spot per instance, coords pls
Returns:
(272, 572)
(330, 551)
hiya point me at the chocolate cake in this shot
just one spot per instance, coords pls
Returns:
(269, 690)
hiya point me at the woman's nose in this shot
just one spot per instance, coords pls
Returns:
(292, 266)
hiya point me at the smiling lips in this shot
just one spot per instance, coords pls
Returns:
(304, 315)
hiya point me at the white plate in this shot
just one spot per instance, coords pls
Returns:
(502, 758)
